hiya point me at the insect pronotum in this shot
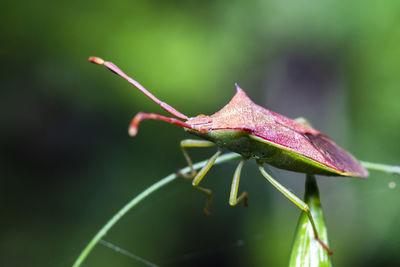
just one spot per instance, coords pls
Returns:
(254, 132)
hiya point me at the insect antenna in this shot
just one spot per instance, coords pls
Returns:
(133, 127)
(116, 70)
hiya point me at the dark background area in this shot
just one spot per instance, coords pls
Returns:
(68, 164)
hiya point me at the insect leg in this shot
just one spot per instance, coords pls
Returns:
(303, 121)
(296, 200)
(200, 176)
(192, 143)
(233, 199)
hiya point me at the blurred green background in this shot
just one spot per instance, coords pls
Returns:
(67, 163)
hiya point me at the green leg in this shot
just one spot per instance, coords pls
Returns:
(200, 176)
(233, 199)
(303, 121)
(301, 204)
(192, 143)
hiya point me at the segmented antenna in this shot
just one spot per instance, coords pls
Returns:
(116, 70)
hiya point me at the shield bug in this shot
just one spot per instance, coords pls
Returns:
(255, 133)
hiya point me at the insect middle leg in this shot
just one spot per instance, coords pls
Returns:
(233, 199)
(296, 200)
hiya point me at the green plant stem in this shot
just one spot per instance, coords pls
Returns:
(306, 251)
(381, 167)
(166, 180)
(131, 204)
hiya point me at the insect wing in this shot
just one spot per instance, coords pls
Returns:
(336, 155)
(306, 141)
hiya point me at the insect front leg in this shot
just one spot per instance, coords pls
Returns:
(197, 179)
(296, 200)
(192, 143)
(233, 199)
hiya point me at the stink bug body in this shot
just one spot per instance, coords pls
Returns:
(254, 132)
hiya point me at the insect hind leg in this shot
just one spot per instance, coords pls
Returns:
(303, 121)
(296, 200)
